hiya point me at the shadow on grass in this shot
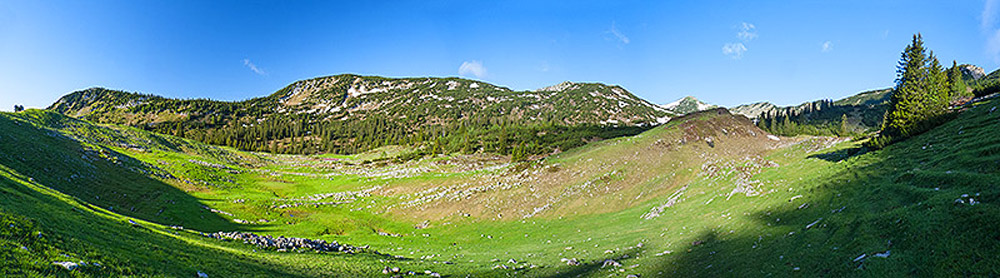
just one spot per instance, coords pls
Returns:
(101, 177)
(841, 154)
(121, 249)
(583, 269)
(907, 210)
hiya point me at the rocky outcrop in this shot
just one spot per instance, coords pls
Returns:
(972, 71)
(753, 110)
(284, 244)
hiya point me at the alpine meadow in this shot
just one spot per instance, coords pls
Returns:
(337, 139)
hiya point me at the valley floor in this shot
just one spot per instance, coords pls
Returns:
(708, 195)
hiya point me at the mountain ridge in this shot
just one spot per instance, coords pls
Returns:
(352, 113)
(326, 93)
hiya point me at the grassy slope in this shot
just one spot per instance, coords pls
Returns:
(901, 199)
(41, 165)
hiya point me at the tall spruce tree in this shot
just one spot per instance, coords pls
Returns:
(904, 103)
(937, 91)
(920, 96)
(845, 128)
(956, 85)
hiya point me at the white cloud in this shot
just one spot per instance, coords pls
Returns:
(990, 30)
(747, 32)
(827, 46)
(618, 34)
(544, 67)
(253, 68)
(734, 50)
(989, 14)
(475, 68)
(993, 45)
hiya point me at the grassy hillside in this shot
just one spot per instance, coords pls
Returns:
(708, 194)
(51, 212)
(927, 203)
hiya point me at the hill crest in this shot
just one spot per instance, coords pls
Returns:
(688, 104)
(351, 113)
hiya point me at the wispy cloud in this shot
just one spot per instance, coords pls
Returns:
(988, 27)
(993, 45)
(618, 34)
(475, 68)
(253, 68)
(827, 46)
(746, 32)
(989, 15)
(734, 50)
(544, 67)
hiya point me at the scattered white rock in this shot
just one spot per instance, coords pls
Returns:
(813, 223)
(282, 244)
(611, 263)
(882, 255)
(68, 265)
(572, 261)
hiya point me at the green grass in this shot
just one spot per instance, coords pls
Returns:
(901, 199)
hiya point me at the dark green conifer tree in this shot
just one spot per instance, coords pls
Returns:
(956, 85)
(920, 97)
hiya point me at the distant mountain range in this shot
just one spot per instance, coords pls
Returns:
(351, 113)
(417, 101)
(863, 111)
(328, 113)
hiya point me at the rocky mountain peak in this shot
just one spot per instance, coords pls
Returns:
(688, 104)
(973, 71)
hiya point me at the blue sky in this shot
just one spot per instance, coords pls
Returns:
(724, 52)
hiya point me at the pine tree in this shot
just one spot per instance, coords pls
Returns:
(786, 126)
(905, 100)
(845, 129)
(956, 85)
(519, 153)
(937, 91)
(920, 96)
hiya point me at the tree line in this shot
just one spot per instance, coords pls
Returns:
(304, 134)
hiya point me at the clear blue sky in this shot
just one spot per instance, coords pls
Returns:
(724, 52)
